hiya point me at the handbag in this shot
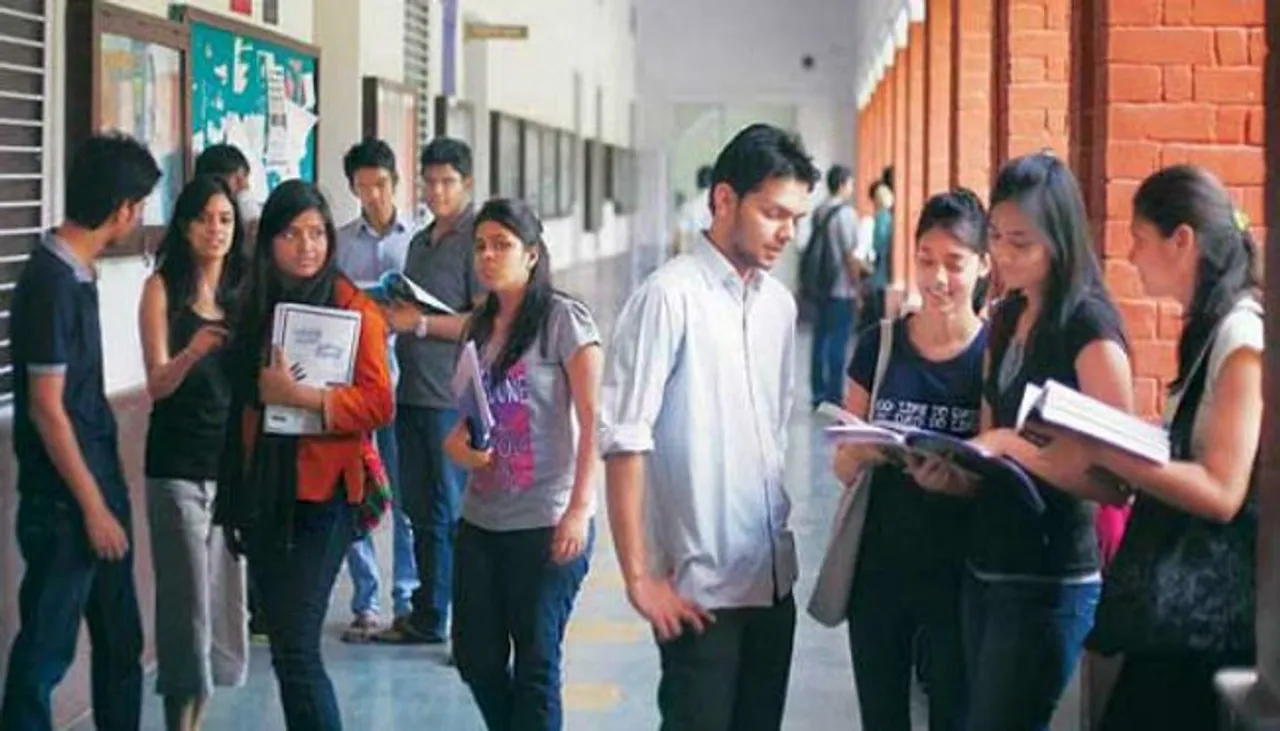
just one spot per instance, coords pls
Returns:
(376, 498)
(1180, 582)
(829, 603)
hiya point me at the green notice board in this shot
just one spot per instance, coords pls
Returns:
(258, 95)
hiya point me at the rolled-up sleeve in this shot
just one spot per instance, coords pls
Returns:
(642, 354)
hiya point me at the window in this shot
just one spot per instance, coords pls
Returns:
(22, 138)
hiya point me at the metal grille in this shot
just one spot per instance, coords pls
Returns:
(417, 61)
(22, 139)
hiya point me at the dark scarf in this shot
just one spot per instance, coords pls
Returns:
(257, 492)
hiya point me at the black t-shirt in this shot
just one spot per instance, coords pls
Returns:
(55, 328)
(908, 529)
(1007, 539)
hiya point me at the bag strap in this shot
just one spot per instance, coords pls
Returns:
(882, 363)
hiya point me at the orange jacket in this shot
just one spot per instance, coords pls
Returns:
(351, 412)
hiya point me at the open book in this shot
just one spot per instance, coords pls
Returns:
(898, 439)
(1062, 406)
(473, 401)
(397, 286)
(319, 343)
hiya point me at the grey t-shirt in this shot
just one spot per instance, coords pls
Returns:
(842, 233)
(536, 437)
(446, 269)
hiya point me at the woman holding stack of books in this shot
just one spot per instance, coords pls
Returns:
(1179, 598)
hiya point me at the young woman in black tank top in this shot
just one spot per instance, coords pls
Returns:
(201, 630)
(1033, 580)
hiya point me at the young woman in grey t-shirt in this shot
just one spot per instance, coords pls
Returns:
(526, 533)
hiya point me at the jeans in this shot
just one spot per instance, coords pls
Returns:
(432, 488)
(508, 592)
(1022, 643)
(831, 335)
(733, 676)
(294, 586)
(886, 612)
(63, 582)
(362, 558)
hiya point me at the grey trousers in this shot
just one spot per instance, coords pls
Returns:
(201, 618)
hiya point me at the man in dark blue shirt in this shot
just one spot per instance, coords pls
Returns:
(73, 523)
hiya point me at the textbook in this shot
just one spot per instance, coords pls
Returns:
(473, 401)
(396, 286)
(1061, 406)
(898, 439)
(319, 343)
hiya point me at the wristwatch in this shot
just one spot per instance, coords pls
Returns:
(420, 329)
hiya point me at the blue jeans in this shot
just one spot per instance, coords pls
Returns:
(64, 581)
(293, 595)
(362, 558)
(507, 591)
(831, 335)
(1022, 643)
(431, 485)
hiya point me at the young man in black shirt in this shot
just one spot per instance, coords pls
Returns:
(73, 524)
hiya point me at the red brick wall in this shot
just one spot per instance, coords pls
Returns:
(901, 95)
(939, 100)
(1171, 81)
(1032, 52)
(971, 79)
(912, 185)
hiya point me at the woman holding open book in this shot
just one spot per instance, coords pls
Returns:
(287, 499)
(908, 571)
(1034, 578)
(1179, 599)
(526, 533)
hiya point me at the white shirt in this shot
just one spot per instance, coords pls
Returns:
(700, 375)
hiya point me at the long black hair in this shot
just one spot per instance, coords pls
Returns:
(531, 318)
(1226, 258)
(175, 262)
(1047, 193)
(959, 213)
(267, 286)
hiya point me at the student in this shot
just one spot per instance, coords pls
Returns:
(1189, 244)
(910, 558)
(694, 213)
(73, 525)
(705, 348)
(1033, 579)
(226, 161)
(200, 604)
(440, 260)
(527, 530)
(286, 501)
(369, 246)
(874, 301)
(837, 305)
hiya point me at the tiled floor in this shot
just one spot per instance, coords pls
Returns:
(612, 665)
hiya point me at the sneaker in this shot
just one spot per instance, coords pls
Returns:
(402, 632)
(362, 628)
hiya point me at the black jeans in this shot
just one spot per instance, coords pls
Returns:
(1172, 691)
(733, 676)
(64, 581)
(294, 586)
(508, 592)
(886, 612)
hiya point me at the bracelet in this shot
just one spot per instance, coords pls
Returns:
(421, 328)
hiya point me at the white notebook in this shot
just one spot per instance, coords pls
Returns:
(322, 342)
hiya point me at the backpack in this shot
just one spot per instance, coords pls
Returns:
(820, 263)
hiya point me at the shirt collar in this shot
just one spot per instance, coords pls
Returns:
(463, 223)
(399, 225)
(721, 270)
(59, 248)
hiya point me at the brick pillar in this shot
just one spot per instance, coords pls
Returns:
(939, 102)
(901, 95)
(1032, 51)
(971, 80)
(913, 187)
(1159, 85)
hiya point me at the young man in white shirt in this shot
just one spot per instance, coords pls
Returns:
(697, 393)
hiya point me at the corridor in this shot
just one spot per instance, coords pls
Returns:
(611, 667)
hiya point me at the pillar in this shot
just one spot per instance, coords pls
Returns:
(939, 100)
(1032, 48)
(971, 79)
